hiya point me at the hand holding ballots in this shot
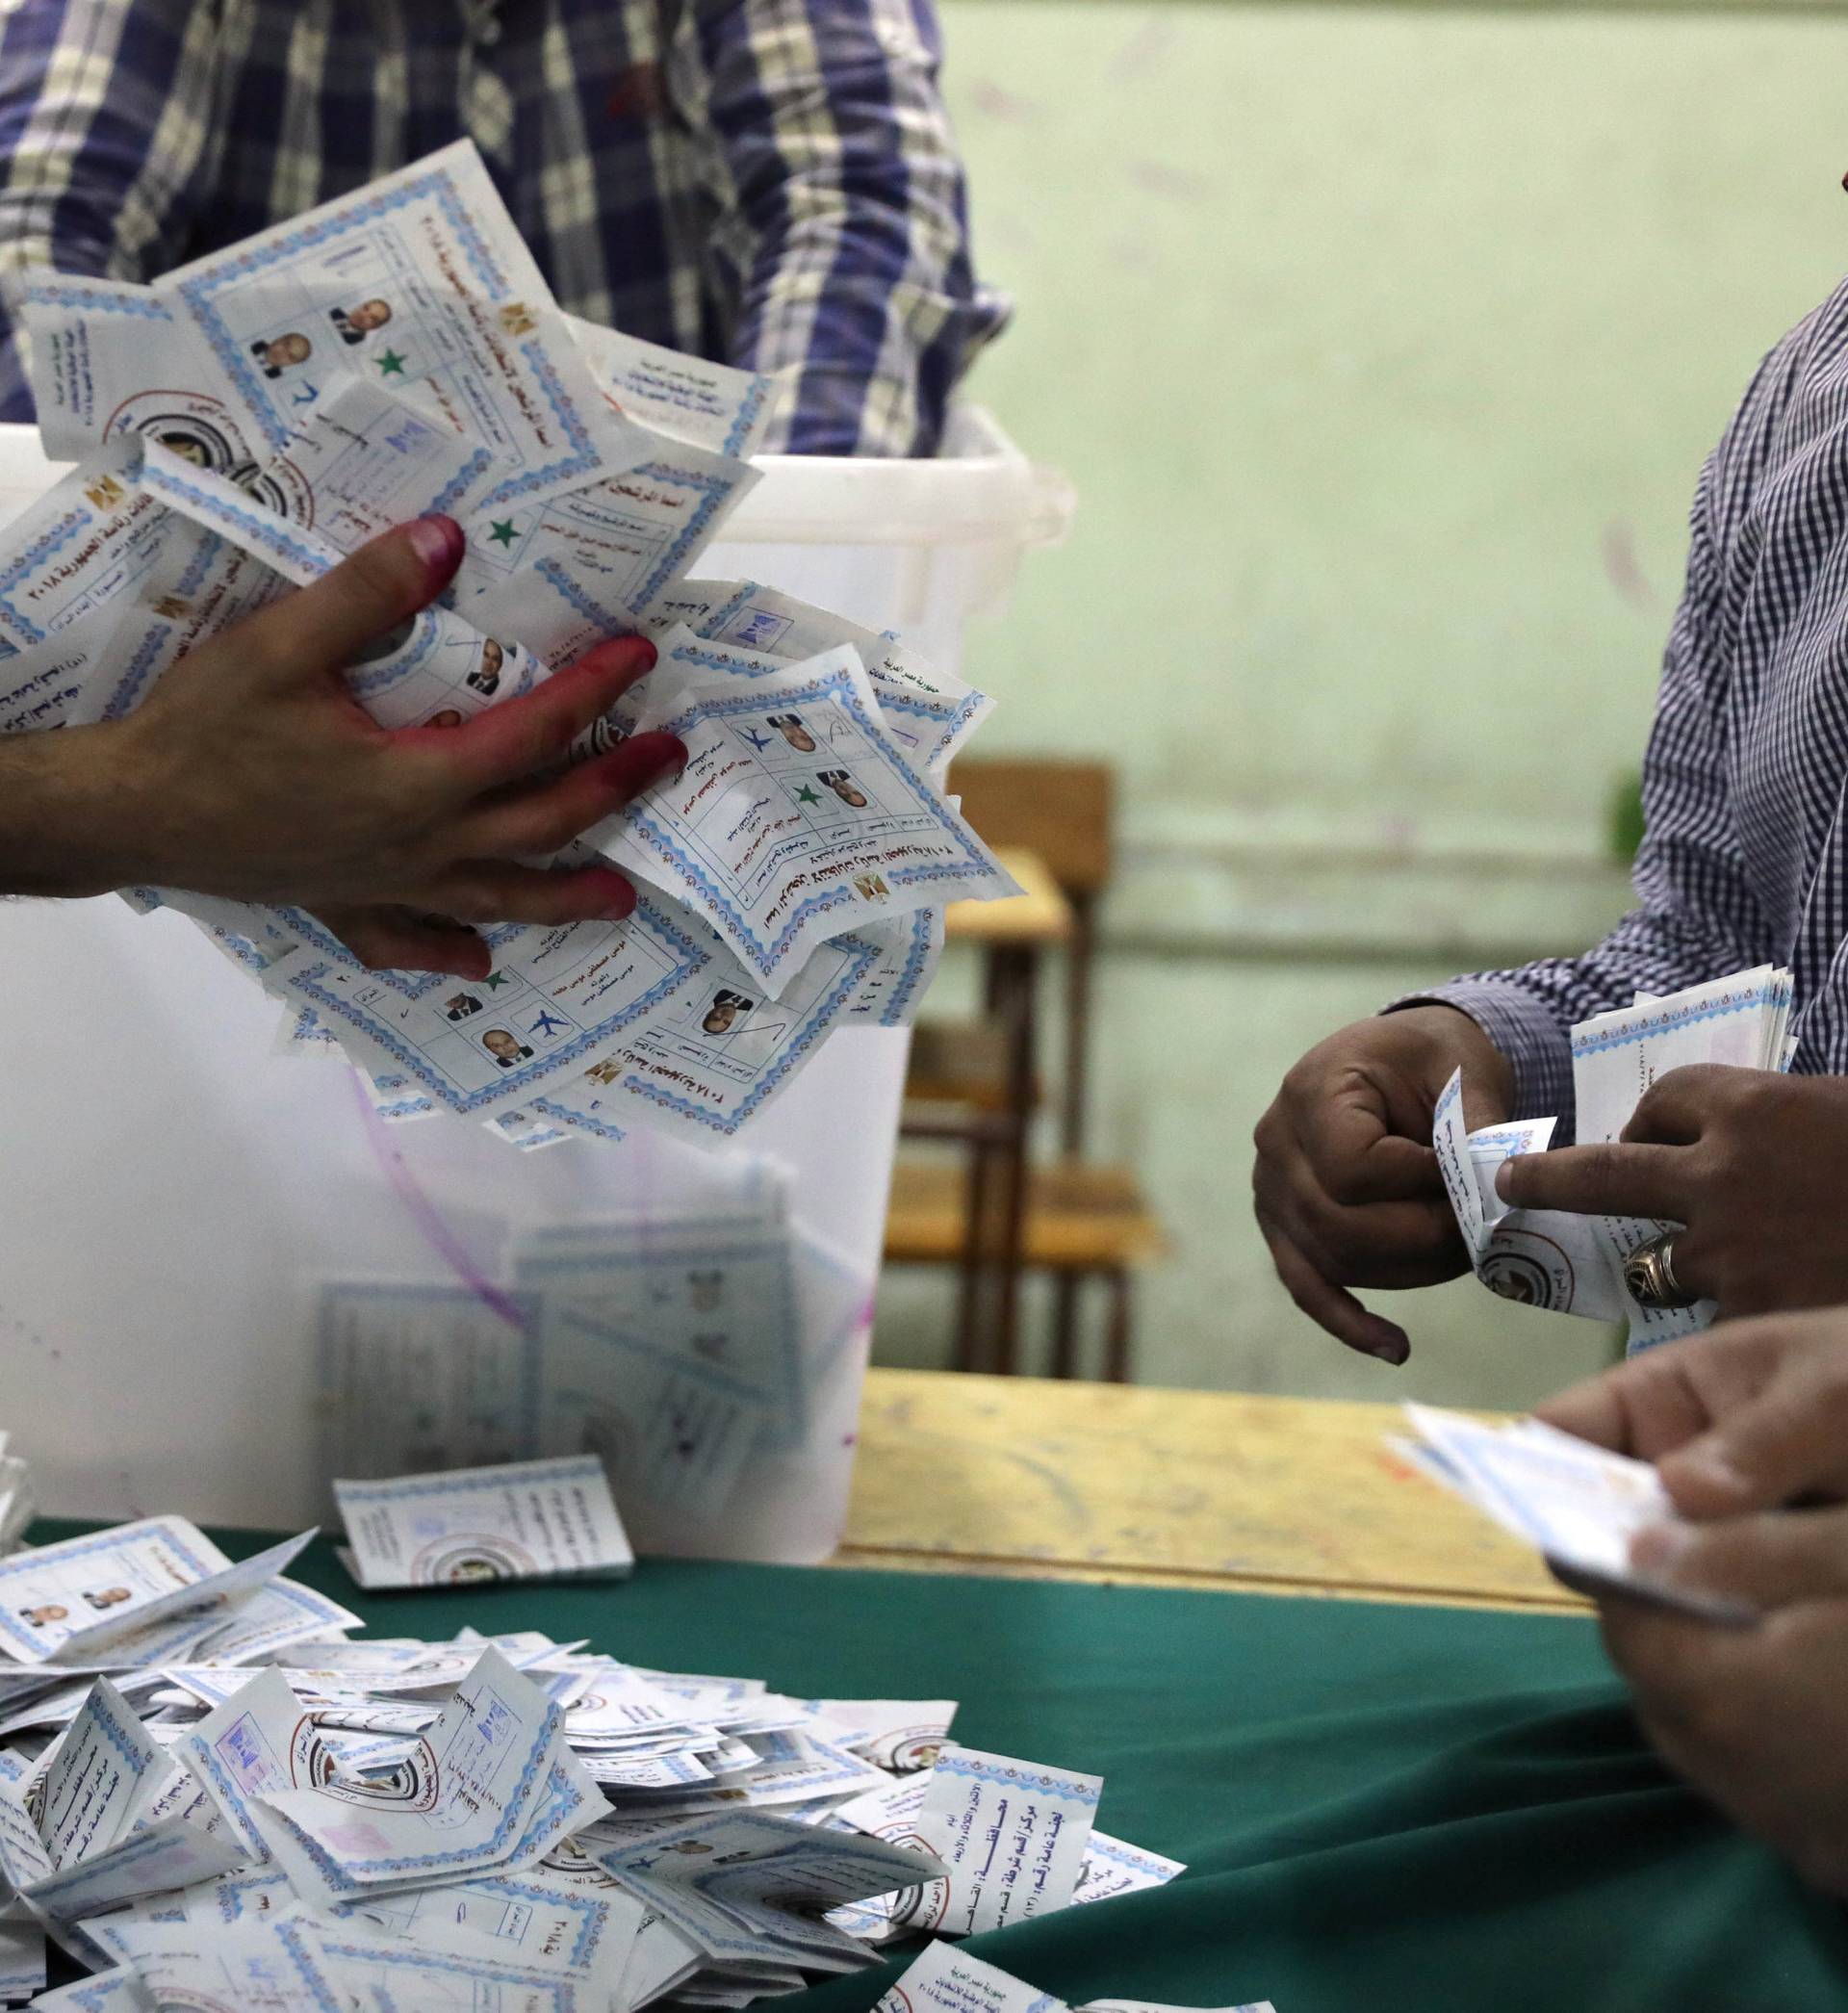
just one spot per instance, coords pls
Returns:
(1580, 1504)
(1583, 1265)
(250, 421)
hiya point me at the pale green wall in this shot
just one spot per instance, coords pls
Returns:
(1383, 345)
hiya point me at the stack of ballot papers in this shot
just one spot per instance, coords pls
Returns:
(1580, 1506)
(214, 1792)
(698, 1348)
(1575, 1264)
(245, 423)
(947, 1980)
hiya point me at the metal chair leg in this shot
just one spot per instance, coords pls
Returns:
(971, 1340)
(1064, 1323)
(1117, 1335)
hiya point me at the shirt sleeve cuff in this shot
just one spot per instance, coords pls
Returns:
(1520, 1025)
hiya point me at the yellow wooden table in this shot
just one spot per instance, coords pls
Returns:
(1020, 1476)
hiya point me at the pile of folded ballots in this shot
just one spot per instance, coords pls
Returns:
(211, 1794)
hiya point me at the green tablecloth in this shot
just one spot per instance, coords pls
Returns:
(1381, 1807)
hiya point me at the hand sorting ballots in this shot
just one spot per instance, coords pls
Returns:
(1749, 1427)
(252, 772)
(1346, 1184)
(1743, 1158)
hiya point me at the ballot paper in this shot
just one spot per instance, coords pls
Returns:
(1575, 1264)
(591, 1025)
(422, 1377)
(689, 399)
(23, 1960)
(797, 816)
(119, 1991)
(1013, 1834)
(563, 576)
(1144, 2005)
(53, 1595)
(245, 423)
(96, 1822)
(91, 539)
(710, 1051)
(944, 1980)
(492, 1784)
(419, 282)
(529, 1520)
(744, 1885)
(365, 461)
(93, 1777)
(929, 713)
(674, 1347)
(1112, 1868)
(530, 1919)
(902, 1734)
(1582, 1505)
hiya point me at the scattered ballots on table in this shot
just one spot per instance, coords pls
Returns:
(1580, 1504)
(948, 1980)
(1575, 1264)
(247, 422)
(213, 1793)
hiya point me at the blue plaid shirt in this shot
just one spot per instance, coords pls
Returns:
(769, 182)
(1746, 858)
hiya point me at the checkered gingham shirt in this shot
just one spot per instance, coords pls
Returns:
(1746, 858)
(767, 182)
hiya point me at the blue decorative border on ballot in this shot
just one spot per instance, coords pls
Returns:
(689, 961)
(819, 1023)
(836, 685)
(42, 549)
(1594, 1043)
(103, 1542)
(516, 1820)
(197, 293)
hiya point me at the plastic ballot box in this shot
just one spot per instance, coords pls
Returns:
(178, 1200)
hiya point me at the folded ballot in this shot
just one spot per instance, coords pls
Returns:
(523, 1520)
(1579, 1505)
(243, 424)
(238, 1800)
(1575, 1264)
(946, 1980)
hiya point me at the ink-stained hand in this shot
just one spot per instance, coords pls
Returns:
(252, 772)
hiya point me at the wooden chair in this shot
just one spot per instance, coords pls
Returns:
(1080, 1221)
(1075, 1220)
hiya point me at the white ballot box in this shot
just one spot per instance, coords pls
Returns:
(178, 1200)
